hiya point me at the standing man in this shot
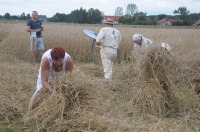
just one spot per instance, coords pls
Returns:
(34, 26)
(108, 39)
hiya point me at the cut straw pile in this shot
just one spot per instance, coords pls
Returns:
(159, 84)
(154, 85)
(79, 104)
(149, 84)
(9, 107)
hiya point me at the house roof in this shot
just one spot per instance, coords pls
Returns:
(171, 20)
(197, 23)
(165, 19)
(115, 18)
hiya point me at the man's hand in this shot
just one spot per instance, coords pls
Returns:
(38, 30)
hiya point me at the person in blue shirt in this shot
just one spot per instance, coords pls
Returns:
(34, 26)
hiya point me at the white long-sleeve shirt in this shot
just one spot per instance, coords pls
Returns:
(145, 42)
(109, 37)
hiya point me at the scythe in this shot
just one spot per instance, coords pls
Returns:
(92, 35)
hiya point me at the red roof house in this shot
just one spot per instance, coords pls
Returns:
(196, 24)
(166, 22)
(115, 19)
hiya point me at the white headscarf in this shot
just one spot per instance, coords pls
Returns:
(166, 46)
(137, 36)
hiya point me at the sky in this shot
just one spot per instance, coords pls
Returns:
(51, 7)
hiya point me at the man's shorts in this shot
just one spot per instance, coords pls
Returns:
(36, 44)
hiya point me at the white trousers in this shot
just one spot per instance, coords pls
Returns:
(107, 55)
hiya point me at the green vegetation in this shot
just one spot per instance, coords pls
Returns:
(182, 16)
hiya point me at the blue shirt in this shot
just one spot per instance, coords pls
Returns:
(35, 25)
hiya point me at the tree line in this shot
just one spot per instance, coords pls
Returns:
(92, 16)
(82, 16)
(131, 16)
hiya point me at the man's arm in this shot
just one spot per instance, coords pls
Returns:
(69, 65)
(100, 37)
(28, 29)
(33, 30)
(42, 28)
(45, 67)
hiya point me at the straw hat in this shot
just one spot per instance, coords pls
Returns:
(109, 21)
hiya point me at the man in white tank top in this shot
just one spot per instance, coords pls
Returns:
(55, 62)
(108, 39)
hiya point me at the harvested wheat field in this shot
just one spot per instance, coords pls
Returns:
(151, 91)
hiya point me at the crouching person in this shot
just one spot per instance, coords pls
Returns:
(55, 62)
(140, 41)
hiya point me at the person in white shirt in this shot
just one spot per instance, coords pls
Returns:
(108, 39)
(55, 62)
(140, 41)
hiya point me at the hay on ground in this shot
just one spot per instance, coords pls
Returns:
(151, 75)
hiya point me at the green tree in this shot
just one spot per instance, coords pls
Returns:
(94, 16)
(58, 17)
(73, 17)
(7, 16)
(119, 11)
(161, 16)
(131, 9)
(140, 16)
(81, 16)
(14, 17)
(194, 17)
(28, 16)
(126, 19)
(22, 16)
(183, 13)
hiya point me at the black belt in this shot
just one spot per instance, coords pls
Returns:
(39, 36)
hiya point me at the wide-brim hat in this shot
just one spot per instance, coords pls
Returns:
(109, 21)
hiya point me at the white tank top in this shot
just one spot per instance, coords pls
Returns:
(52, 74)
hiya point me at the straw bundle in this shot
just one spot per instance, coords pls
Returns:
(78, 105)
(9, 107)
(160, 83)
(92, 70)
(148, 77)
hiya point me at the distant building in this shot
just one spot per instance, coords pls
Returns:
(166, 22)
(115, 19)
(196, 24)
(42, 18)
